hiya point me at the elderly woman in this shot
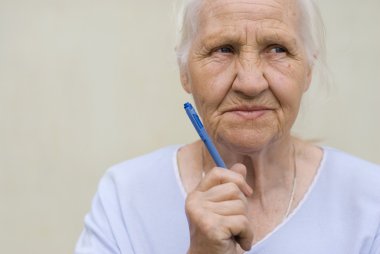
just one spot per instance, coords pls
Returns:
(247, 65)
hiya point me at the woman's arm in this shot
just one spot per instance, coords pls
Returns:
(103, 225)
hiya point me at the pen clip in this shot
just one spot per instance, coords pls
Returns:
(198, 121)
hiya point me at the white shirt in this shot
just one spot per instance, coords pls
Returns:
(139, 208)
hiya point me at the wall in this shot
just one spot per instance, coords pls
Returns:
(85, 84)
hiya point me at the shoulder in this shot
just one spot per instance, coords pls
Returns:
(342, 159)
(152, 161)
(126, 193)
(139, 170)
(144, 170)
(347, 169)
(152, 173)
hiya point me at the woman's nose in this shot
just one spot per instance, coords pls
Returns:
(250, 80)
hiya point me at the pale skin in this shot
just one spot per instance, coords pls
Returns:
(247, 71)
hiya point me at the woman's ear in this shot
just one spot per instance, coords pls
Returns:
(185, 79)
(308, 79)
(309, 74)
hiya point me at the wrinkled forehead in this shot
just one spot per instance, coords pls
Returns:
(285, 12)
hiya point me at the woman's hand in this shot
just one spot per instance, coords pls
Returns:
(217, 212)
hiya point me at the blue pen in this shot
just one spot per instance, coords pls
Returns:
(192, 114)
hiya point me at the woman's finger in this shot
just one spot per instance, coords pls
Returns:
(219, 176)
(240, 229)
(240, 169)
(224, 192)
(227, 208)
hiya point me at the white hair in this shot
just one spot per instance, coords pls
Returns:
(311, 32)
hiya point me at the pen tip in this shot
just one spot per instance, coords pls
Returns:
(187, 105)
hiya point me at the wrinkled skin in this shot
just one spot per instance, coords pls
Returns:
(247, 72)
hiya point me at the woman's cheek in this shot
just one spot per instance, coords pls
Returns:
(211, 90)
(287, 88)
(283, 74)
(215, 83)
(284, 67)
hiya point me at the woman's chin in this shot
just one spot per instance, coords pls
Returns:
(243, 144)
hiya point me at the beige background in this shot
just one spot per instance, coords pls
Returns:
(88, 83)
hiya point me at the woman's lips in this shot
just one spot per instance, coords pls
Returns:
(248, 113)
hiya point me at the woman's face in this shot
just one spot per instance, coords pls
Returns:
(247, 71)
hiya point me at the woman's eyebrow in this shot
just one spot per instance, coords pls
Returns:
(233, 38)
(280, 36)
(221, 35)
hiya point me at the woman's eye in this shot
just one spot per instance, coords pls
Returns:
(225, 50)
(277, 50)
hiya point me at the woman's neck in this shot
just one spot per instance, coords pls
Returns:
(267, 168)
(269, 172)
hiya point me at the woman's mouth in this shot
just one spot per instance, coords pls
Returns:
(248, 113)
